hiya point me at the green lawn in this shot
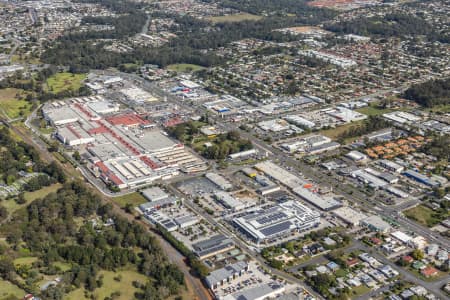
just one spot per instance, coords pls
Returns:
(184, 68)
(29, 260)
(8, 289)
(334, 133)
(125, 286)
(65, 81)
(62, 266)
(235, 18)
(374, 110)
(11, 205)
(31, 196)
(11, 106)
(134, 199)
(424, 215)
(360, 290)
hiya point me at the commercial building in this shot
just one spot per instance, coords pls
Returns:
(123, 149)
(375, 223)
(73, 136)
(369, 179)
(213, 246)
(243, 154)
(229, 201)
(349, 215)
(186, 221)
(219, 181)
(277, 221)
(357, 156)
(322, 202)
(279, 174)
(421, 178)
(391, 166)
(154, 194)
(219, 277)
(260, 292)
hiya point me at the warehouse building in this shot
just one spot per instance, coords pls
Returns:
(243, 154)
(261, 292)
(421, 178)
(154, 194)
(357, 156)
(375, 223)
(73, 136)
(391, 166)
(349, 215)
(219, 181)
(219, 277)
(213, 246)
(324, 203)
(279, 174)
(280, 220)
(121, 148)
(186, 221)
(229, 201)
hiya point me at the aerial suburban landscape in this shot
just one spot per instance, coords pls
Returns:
(224, 149)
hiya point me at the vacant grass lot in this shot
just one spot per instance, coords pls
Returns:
(184, 68)
(235, 18)
(424, 215)
(134, 199)
(65, 81)
(12, 206)
(374, 110)
(29, 260)
(11, 106)
(334, 133)
(8, 289)
(31, 196)
(124, 286)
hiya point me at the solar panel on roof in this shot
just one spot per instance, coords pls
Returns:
(270, 218)
(276, 229)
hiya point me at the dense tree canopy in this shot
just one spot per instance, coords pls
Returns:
(430, 93)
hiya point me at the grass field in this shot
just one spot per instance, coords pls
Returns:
(11, 106)
(29, 260)
(8, 289)
(65, 81)
(62, 266)
(125, 286)
(334, 133)
(235, 18)
(374, 110)
(12, 205)
(31, 196)
(423, 215)
(184, 68)
(134, 199)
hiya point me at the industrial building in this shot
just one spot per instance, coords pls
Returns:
(229, 201)
(421, 178)
(123, 149)
(322, 202)
(280, 220)
(260, 292)
(219, 277)
(243, 154)
(279, 174)
(391, 166)
(213, 246)
(349, 215)
(356, 156)
(375, 223)
(154, 194)
(219, 181)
